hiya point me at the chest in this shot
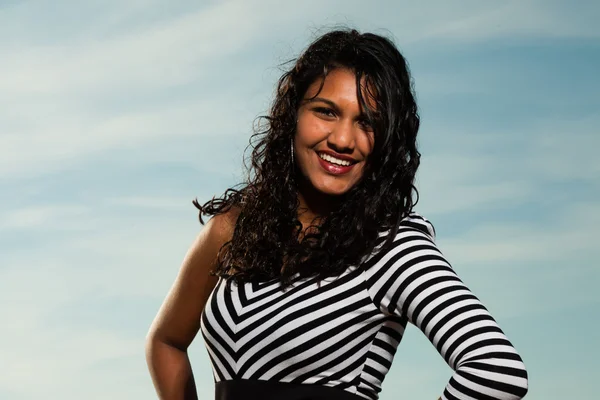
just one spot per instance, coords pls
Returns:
(259, 330)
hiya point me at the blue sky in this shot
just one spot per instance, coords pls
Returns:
(116, 114)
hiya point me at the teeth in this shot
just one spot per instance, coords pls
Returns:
(334, 160)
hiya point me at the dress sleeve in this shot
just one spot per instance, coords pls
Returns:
(414, 280)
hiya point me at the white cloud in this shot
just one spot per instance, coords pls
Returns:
(473, 21)
(50, 121)
(530, 268)
(39, 216)
(468, 170)
(162, 203)
(567, 151)
(492, 244)
(162, 54)
(65, 141)
(455, 197)
(111, 257)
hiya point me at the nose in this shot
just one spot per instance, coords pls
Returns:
(341, 138)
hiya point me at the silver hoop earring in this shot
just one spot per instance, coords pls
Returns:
(292, 150)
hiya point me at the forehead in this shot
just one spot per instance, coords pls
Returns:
(339, 85)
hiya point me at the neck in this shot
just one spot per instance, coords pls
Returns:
(313, 204)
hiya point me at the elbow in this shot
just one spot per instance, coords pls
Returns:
(518, 390)
(150, 342)
(524, 387)
(154, 347)
(151, 345)
(519, 379)
(507, 379)
(155, 341)
(516, 382)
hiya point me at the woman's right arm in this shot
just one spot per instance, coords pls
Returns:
(178, 320)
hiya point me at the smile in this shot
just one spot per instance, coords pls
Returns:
(334, 160)
(335, 165)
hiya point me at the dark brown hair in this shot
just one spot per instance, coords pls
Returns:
(267, 229)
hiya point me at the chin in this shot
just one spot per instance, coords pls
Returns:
(333, 190)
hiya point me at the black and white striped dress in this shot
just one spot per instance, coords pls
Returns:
(337, 339)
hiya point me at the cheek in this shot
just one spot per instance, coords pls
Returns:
(365, 144)
(310, 131)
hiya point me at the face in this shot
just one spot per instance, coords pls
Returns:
(333, 138)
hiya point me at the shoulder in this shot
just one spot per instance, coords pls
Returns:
(221, 226)
(414, 232)
(413, 223)
(417, 221)
(217, 231)
(179, 318)
(405, 263)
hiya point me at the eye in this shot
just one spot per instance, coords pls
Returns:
(328, 112)
(365, 124)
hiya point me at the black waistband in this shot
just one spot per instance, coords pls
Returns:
(246, 389)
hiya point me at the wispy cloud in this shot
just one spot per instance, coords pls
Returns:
(476, 22)
(153, 54)
(574, 231)
(40, 216)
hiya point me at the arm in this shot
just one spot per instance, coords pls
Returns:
(178, 319)
(414, 280)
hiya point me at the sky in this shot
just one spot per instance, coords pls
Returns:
(115, 115)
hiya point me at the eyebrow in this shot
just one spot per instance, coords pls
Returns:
(326, 101)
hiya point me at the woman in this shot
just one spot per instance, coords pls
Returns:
(312, 270)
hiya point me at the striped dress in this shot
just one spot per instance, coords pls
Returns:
(336, 339)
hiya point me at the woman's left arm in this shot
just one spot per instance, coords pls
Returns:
(414, 280)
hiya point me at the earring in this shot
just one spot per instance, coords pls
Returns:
(292, 150)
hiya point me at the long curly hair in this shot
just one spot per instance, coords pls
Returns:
(267, 234)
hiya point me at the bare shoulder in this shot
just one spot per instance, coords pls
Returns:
(220, 227)
(178, 320)
(202, 255)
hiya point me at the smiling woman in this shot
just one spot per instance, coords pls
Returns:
(306, 278)
(333, 138)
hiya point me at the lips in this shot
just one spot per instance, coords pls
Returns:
(335, 169)
(338, 156)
